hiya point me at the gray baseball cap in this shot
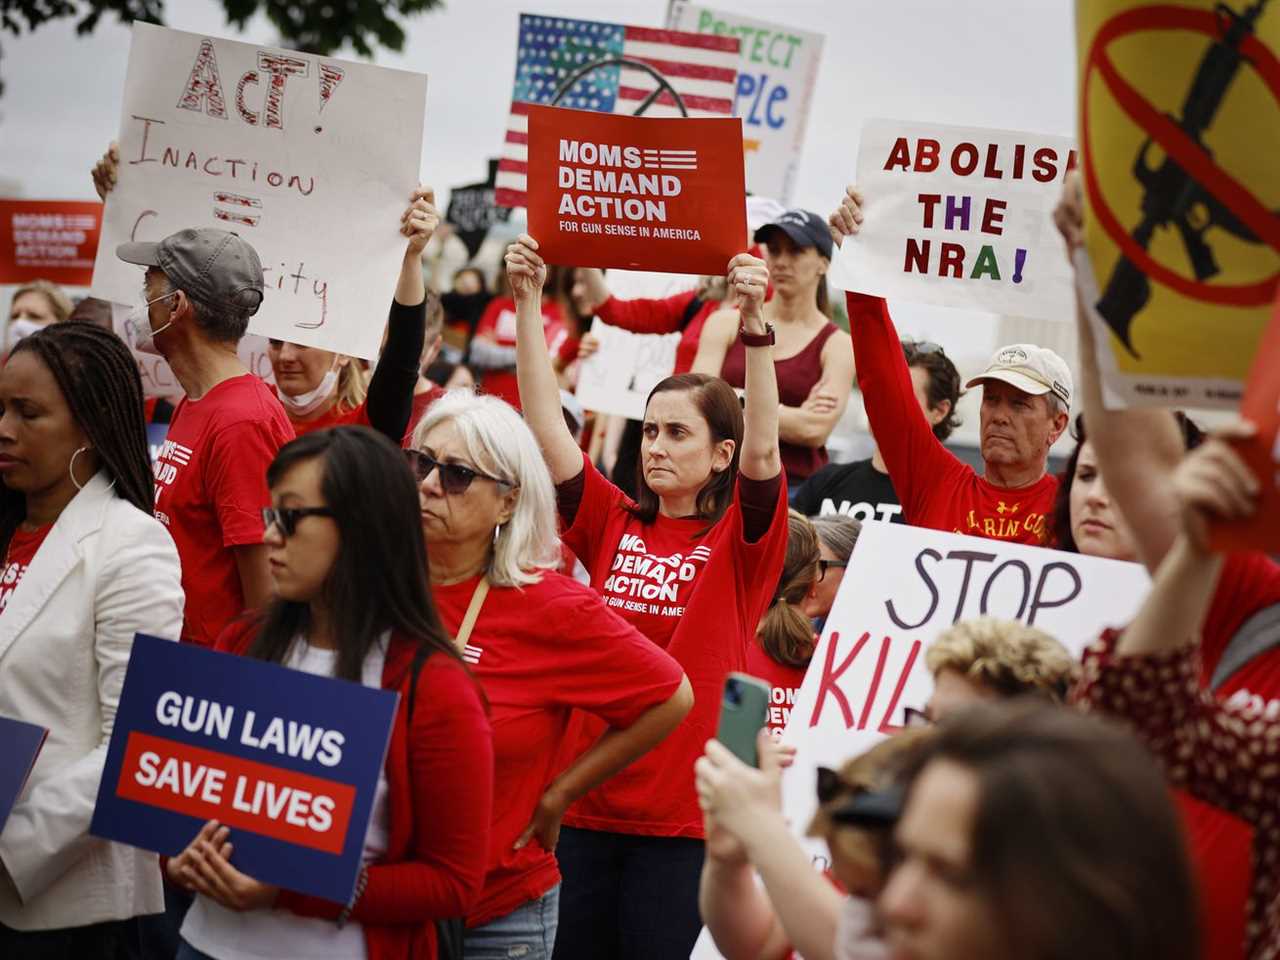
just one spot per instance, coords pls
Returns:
(215, 266)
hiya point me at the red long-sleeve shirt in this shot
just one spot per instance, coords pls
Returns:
(937, 489)
(662, 316)
(439, 800)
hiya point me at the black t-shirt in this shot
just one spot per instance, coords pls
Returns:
(855, 490)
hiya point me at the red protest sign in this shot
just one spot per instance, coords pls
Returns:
(1261, 406)
(53, 240)
(637, 193)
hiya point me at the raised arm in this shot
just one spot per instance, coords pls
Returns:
(390, 400)
(1137, 449)
(759, 459)
(539, 388)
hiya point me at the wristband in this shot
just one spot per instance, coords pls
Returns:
(765, 339)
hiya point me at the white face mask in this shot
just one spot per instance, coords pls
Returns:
(20, 328)
(311, 401)
(138, 325)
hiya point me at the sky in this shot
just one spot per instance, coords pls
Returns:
(996, 63)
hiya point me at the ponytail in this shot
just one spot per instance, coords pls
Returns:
(785, 633)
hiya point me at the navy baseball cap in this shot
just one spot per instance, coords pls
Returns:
(804, 227)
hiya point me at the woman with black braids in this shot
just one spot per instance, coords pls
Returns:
(85, 566)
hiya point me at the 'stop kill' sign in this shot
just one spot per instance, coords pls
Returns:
(283, 148)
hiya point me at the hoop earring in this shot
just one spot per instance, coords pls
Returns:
(71, 468)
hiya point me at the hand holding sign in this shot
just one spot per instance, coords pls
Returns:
(1216, 485)
(847, 218)
(525, 269)
(748, 279)
(419, 222)
(205, 868)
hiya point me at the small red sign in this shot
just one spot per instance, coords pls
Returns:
(1261, 407)
(53, 240)
(636, 193)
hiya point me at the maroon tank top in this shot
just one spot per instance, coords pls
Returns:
(796, 377)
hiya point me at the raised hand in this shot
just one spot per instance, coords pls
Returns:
(1068, 215)
(420, 219)
(748, 279)
(1213, 482)
(846, 220)
(525, 269)
(105, 171)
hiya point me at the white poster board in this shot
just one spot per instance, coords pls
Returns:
(777, 71)
(961, 217)
(312, 160)
(617, 378)
(903, 586)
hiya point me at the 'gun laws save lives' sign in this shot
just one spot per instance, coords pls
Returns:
(636, 193)
(288, 760)
(961, 217)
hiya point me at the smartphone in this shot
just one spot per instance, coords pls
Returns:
(744, 709)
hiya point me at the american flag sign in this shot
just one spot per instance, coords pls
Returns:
(611, 68)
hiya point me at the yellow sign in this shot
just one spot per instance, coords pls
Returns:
(1180, 134)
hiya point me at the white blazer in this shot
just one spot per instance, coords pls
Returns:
(104, 572)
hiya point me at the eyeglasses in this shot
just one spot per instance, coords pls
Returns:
(825, 565)
(863, 807)
(916, 718)
(286, 518)
(455, 478)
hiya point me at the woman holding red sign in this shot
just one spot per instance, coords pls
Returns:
(349, 575)
(692, 565)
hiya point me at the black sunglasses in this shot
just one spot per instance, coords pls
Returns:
(863, 808)
(455, 478)
(286, 518)
(916, 718)
(824, 565)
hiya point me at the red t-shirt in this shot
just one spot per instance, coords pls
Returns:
(499, 323)
(421, 401)
(937, 489)
(22, 550)
(534, 670)
(1221, 843)
(699, 598)
(784, 683)
(211, 486)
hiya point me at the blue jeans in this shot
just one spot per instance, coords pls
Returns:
(628, 897)
(526, 933)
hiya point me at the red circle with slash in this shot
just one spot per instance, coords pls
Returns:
(1188, 154)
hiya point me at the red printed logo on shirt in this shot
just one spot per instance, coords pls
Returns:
(9, 581)
(642, 583)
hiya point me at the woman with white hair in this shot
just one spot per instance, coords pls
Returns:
(540, 643)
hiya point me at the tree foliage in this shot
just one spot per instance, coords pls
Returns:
(313, 26)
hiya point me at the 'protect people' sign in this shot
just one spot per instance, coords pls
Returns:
(311, 160)
(777, 72)
(961, 217)
(288, 760)
(634, 192)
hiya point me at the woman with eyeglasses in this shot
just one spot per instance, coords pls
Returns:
(541, 644)
(85, 567)
(692, 564)
(350, 600)
(837, 536)
(784, 641)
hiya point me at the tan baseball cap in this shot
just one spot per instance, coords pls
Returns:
(1031, 369)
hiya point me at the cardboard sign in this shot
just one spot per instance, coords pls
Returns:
(1179, 129)
(960, 217)
(635, 193)
(20, 744)
(157, 377)
(612, 68)
(53, 240)
(311, 160)
(617, 378)
(1261, 406)
(288, 760)
(904, 585)
(777, 72)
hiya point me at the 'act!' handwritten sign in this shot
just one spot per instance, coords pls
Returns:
(288, 760)
(311, 160)
(961, 217)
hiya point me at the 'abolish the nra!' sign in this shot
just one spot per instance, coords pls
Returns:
(636, 193)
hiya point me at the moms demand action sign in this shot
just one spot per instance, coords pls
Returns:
(636, 193)
(288, 760)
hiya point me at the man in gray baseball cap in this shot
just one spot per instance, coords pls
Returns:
(200, 288)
